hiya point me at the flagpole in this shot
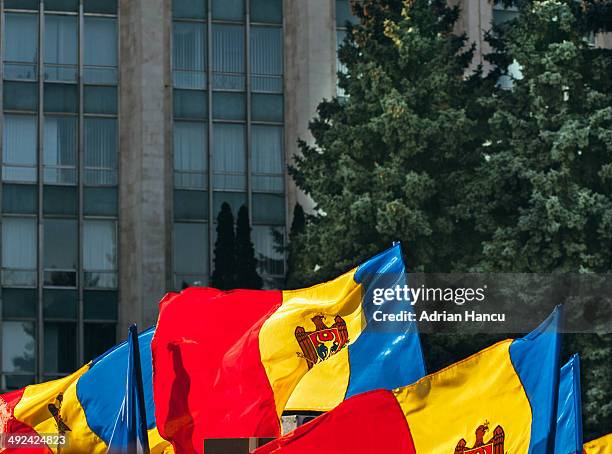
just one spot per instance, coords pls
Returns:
(140, 389)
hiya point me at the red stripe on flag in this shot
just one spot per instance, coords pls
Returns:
(368, 423)
(208, 379)
(11, 426)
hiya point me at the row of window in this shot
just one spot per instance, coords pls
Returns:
(261, 11)
(60, 53)
(60, 254)
(89, 6)
(190, 57)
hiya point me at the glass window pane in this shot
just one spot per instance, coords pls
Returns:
(21, 4)
(60, 303)
(20, 46)
(267, 59)
(270, 11)
(18, 346)
(267, 158)
(100, 305)
(190, 155)
(266, 242)
(19, 251)
(20, 96)
(19, 198)
(19, 302)
(228, 57)
(229, 156)
(267, 107)
(60, 240)
(228, 10)
(344, 13)
(100, 151)
(100, 201)
(61, 5)
(59, 149)
(234, 199)
(60, 347)
(191, 205)
(101, 6)
(13, 382)
(60, 200)
(189, 9)
(190, 104)
(229, 106)
(190, 253)
(100, 53)
(61, 98)
(189, 55)
(98, 338)
(100, 253)
(100, 99)
(60, 48)
(19, 143)
(269, 208)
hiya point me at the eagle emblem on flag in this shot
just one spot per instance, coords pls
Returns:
(494, 446)
(322, 343)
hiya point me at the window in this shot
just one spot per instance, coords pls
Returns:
(100, 151)
(229, 106)
(100, 99)
(101, 6)
(190, 254)
(60, 354)
(100, 254)
(189, 9)
(60, 48)
(19, 251)
(228, 10)
(344, 13)
(267, 59)
(269, 11)
(62, 5)
(190, 155)
(191, 104)
(228, 57)
(20, 46)
(189, 55)
(269, 260)
(60, 252)
(267, 158)
(229, 156)
(18, 346)
(19, 148)
(100, 55)
(269, 209)
(60, 144)
(99, 337)
(267, 107)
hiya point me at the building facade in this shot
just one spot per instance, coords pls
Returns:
(125, 125)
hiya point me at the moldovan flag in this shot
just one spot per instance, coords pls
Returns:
(83, 406)
(385, 355)
(568, 436)
(225, 363)
(500, 400)
(602, 445)
(130, 432)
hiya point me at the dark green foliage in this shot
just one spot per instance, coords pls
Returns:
(246, 264)
(468, 176)
(223, 276)
(298, 224)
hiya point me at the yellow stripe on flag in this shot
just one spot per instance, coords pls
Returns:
(450, 405)
(602, 445)
(280, 351)
(33, 410)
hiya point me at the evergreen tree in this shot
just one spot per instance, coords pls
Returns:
(298, 224)
(223, 276)
(542, 197)
(390, 161)
(246, 264)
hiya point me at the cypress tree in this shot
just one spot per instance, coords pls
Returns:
(223, 276)
(246, 264)
(298, 224)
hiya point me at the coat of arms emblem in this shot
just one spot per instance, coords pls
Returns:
(495, 445)
(322, 343)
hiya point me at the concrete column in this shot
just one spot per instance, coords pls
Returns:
(310, 75)
(144, 160)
